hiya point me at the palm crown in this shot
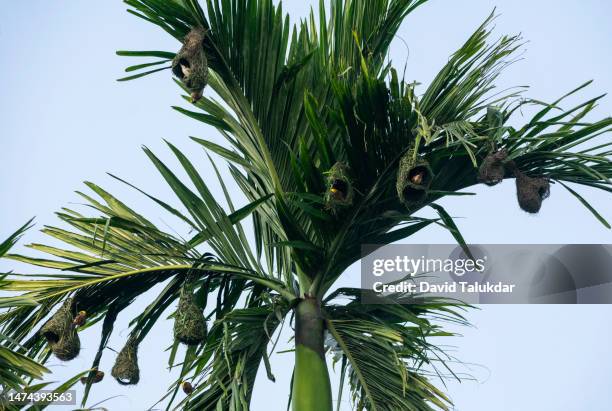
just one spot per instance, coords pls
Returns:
(333, 150)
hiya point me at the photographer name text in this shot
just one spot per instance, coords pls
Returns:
(443, 288)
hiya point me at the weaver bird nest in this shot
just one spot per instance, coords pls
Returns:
(531, 191)
(340, 192)
(493, 169)
(190, 64)
(61, 334)
(414, 177)
(189, 321)
(126, 370)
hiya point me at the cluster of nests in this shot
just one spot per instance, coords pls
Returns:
(60, 332)
(530, 191)
(414, 178)
(414, 175)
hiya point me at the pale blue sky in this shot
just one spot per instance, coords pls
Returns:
(64, 119)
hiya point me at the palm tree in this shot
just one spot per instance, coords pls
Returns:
(332, 149)
(15, 368)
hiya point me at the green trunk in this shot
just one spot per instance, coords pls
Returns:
(311, 386)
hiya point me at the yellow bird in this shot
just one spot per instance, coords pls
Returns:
(79, 320)
(99, 376)
(187, 387)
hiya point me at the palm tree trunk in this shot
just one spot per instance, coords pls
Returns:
(311, 385)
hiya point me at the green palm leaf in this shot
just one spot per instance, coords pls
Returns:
(15, 367)
(292, 102)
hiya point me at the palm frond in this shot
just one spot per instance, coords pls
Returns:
(15, 368)
(387, 351)
(224, 372)
(293, 102)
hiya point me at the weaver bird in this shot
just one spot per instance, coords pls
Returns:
(338, 189)
(187, 387)
(97, 378)
(79, 320)
(185, 69)
(417, 178)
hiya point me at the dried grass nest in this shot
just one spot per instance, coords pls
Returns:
(493, 168)
(61, 334)
(126, 370)
(414, 177)
(531, 191)
(190, 64)
(189, 322)
(340, 192)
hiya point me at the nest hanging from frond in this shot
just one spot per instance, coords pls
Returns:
(61, 334)
(531, 191)
(126, 370)
(190, 64)
(189, 322)
(493, 168)
(414, 177)
(98, 376)
(340, 192)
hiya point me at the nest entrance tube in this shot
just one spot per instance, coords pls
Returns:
(493, 169)
(340, 191)
(531, 191)
(190, 64)
(126, 370)
(413, 195)
(414, 178)
(60, 333)
(189, 322)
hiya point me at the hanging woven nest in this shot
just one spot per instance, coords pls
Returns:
(189, 321)
(60, 333)
(98, 376)
(126, 370)
(531, 191)
(414, 177)
(340, 191)
(190, 64)
(493, 169)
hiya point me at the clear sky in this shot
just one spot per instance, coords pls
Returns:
(64, 119)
